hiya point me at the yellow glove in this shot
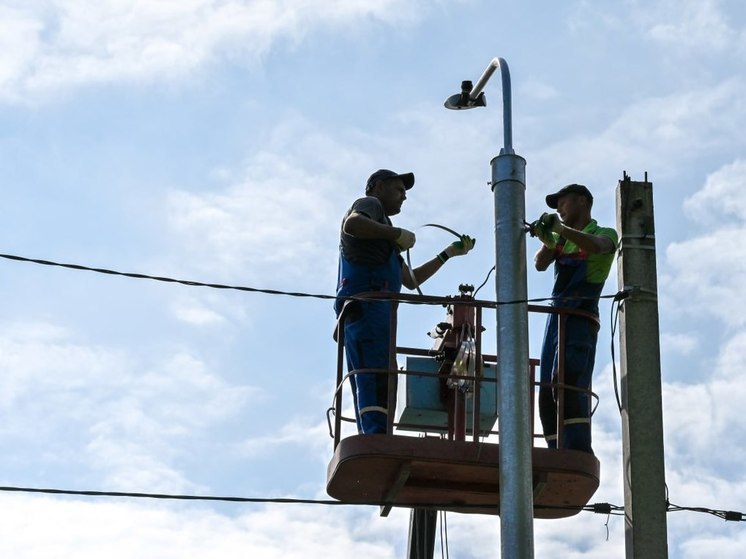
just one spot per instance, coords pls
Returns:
(405, 240)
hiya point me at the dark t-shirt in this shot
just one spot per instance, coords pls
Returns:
(369, 252)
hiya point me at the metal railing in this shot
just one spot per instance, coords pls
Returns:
(558, 386)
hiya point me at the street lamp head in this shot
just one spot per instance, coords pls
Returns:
(464, 99)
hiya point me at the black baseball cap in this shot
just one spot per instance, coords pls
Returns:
(569, 189)
(383, 174)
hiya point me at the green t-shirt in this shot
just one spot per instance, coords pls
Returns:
(579, 276)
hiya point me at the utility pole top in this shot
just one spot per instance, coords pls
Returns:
(642, 414)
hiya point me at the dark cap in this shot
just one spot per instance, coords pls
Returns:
(384, 174)
(569, 189)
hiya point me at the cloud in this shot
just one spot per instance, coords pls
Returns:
(664, 132)
(48, 47)
(705, 279)
(297, 434)
(105, 410)
(722, 198)
(197, 314)
(682, 344)
(270, 219)
(695, 25)
(120, 529)
(701, 417)
(535, 89)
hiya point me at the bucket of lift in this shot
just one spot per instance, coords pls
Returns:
(448, 389)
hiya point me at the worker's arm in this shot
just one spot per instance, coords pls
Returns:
(550, 223)
(362, 227)
(594, 244)
(425, 271)
(543, 258)
(422, 273)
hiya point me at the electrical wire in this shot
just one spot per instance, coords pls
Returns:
(727, 515)
(163, 278)
(618, 301)
(191, 283)
(444, 534)
(166, 496)
(597, 508)
(485, 281)
(442, 546)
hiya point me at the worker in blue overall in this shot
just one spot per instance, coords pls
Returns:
(370, 260)
(582, 252)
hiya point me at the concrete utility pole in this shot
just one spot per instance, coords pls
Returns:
(642, 409)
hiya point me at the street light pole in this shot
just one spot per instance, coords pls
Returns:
(508, 187)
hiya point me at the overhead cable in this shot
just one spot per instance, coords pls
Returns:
(401, 298)
(598, 508)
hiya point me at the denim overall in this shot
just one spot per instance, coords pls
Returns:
(367, 329)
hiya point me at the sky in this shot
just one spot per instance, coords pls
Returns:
(221, 141)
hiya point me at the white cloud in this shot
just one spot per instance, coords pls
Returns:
(261, 223)
(197, 315)
(105, 410)
(723, 197)
(708, 285)
(47, 47)
(118, 530)
(700, 25)
(657, 134)
(537, 90)
(297, 433)
(702, 417)
(682, 344)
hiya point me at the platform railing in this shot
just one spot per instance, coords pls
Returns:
(558, 386)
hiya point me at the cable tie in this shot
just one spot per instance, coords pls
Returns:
(734, 516)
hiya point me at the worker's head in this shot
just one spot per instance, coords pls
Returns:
(572, 202)
(390, 188)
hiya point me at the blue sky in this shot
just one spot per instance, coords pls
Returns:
(222, 141)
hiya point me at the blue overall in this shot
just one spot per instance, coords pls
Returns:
(367, 330)
(580, 353)
(578, 280)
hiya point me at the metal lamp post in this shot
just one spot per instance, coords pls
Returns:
(508, 186)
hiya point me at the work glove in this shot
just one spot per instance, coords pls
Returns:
(460, 247)
(551, 222)
(405, 240)
(539, 229)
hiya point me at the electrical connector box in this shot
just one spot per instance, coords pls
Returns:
(421, 407)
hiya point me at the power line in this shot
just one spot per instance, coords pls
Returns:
(401, 298)
(167, 496)
(163, 278)
(597, 508)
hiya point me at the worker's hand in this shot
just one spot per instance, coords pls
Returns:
(538, 229)
(460, 247)
(405, 240)
(551, 222)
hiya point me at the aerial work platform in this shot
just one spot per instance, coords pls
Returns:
(450, 458)
(457, 476)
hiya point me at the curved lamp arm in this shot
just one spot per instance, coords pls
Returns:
(471, 97)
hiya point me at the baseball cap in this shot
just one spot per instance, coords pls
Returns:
(382, 174)
(569, 189)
